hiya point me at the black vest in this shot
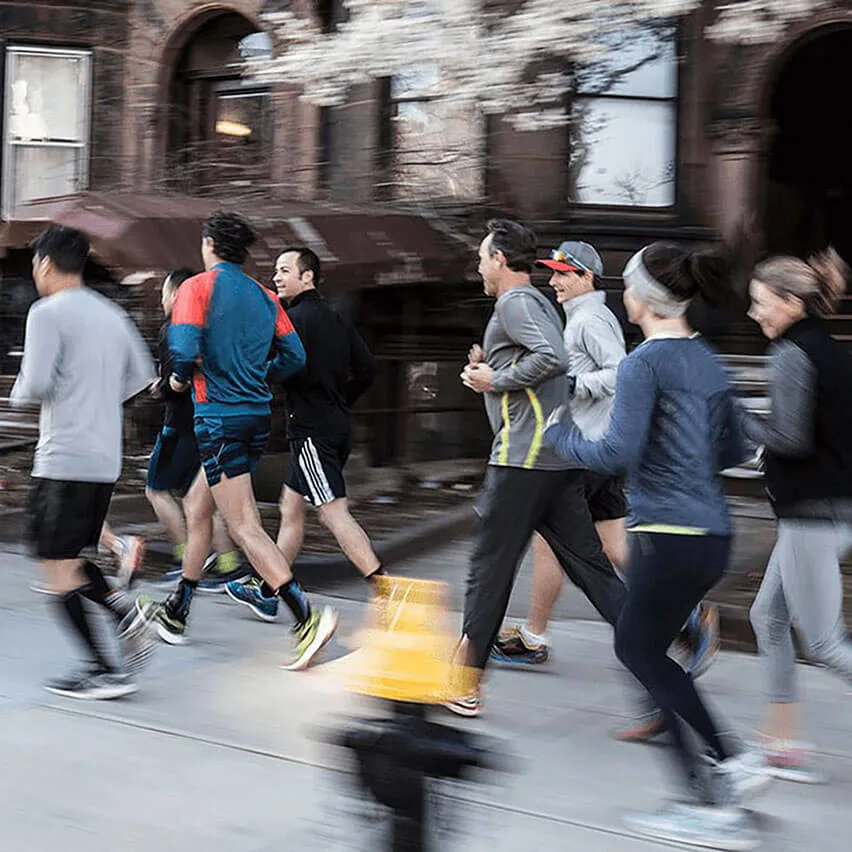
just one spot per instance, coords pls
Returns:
(826, 473)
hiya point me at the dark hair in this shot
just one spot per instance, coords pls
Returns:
(516, 242)
(176, 277)
(232, 236)
(819, 283)
(307, 261)
(687, 274)
(67, 248)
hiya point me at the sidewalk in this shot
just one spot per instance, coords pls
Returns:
(214, 752)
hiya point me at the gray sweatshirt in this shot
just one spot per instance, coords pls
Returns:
(594, 343)
(83, 358)
(523, 345)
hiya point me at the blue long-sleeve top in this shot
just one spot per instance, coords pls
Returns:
(231, 336)
(673, 430)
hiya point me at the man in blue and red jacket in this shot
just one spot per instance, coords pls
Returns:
(229, 338)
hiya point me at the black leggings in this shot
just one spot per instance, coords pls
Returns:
(667, 577)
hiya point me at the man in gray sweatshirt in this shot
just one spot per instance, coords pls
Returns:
(83, 358)
(521, 373)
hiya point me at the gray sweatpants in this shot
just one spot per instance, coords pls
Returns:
(803, 587)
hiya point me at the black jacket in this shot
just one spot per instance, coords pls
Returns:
(339, 369)
(824, 473)
(179, 411)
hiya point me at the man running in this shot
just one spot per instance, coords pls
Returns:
(175, 461)
(522, 377)
(83, 359)
(339, 370)
(225, 327)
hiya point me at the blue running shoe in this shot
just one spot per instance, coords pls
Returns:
(248, 594)
(702, 633)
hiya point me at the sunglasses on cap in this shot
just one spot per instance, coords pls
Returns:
(561, 256)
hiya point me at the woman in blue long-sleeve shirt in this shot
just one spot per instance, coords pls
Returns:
(673, 430)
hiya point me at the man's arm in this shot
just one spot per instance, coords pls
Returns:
(289, 355)
(362, 369)
(529, 325)
(789, 429)
(621, 447)
(605, 346)
(189, 317)
(41, 353)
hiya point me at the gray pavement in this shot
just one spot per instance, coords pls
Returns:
(216, 752)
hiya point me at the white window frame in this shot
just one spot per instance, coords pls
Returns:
(13, 51)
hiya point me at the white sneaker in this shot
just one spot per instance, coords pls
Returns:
(131, 554)
(697, 825)
(745, 774)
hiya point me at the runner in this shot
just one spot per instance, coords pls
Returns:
(521, 376)
(339, 370)
(594, 344)
(224, 328)
(808, 470)
(83, 359)
(673, 430)
(175, 463)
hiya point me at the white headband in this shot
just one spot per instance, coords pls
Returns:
(646, 288)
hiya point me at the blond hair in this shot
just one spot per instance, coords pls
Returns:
(819, 282)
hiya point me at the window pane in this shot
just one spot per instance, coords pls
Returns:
(42, 172)
(45, 97)
(242, 126)
(623, 152)
(640, 64)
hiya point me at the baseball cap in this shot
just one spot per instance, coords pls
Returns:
(574, 257)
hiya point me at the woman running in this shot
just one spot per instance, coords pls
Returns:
(673, 430)
(808, 475)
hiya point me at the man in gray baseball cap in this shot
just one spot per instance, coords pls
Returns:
(574, 257)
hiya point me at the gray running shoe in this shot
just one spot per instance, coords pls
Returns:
(93, 685)
(696, 825)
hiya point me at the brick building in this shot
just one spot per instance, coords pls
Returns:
(148, 97)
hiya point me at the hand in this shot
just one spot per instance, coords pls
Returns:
(156, 389)
(478, 377)
(177, 385)
(476, 355)
(555, 417)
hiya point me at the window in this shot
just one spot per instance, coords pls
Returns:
(46, 127)
(624, 123)
(242, 127)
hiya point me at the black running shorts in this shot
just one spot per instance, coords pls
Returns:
(605, 496)
(66, 517)
(316, 468)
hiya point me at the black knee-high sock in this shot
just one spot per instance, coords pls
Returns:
(99, 592)
(371, 578)
(75, 611)
(293, 595)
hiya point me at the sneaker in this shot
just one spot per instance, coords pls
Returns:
(215, 581)
(510, 647)
(135, 642)
(131, 555)
(169, 628)
(266, 609)
(93, 684)
(642, 730)
(697, 825)
(745, 775)
(311, 638)
(468, 706)
(172, 577)
(788, 761)
(702, 630)
(41, 587)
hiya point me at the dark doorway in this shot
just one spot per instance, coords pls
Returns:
(809, 187)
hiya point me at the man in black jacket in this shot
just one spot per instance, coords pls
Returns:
(338, 371)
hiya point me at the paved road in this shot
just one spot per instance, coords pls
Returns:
(215, 751)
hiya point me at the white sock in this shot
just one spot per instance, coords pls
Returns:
(532, 640)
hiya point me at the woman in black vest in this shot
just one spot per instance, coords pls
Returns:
(808, 467)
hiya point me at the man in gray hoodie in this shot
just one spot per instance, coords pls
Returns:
(521, 372)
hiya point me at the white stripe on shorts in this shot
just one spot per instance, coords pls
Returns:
(320, 494)
(317, 465)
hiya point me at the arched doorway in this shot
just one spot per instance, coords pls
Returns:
(808, 201)
(220, 123)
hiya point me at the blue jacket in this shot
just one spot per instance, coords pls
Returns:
(231, 336)
(673, 430)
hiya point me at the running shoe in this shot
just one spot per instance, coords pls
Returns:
(697, 825)
(171, 577)
(702, 630)
(745, 775)
(469, 705)
(510, 647)
(135, 642)
(216, 579)
(169, 628)
(789, 761)
(642, 730)
(40, 587)
(249, 594)
(131, 555)
(311, 638)
(93, 684)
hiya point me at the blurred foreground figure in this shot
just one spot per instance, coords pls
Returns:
(673, 430)
(808, 475)
(83, 358)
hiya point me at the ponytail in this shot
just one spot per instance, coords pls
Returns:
(820, 283)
